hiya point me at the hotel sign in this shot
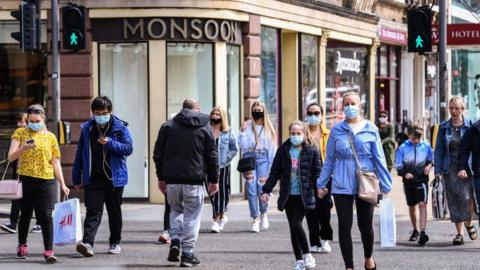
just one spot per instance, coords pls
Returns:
(459, 34)
(171, 29)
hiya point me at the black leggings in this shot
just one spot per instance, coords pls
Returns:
(295, 213)
(38, 194)
(166, 215)
(344, 206)
(318, 221)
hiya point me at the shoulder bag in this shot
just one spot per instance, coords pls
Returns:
(248, 162)
(10, 189)
(368, 183)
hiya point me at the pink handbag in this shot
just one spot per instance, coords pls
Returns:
(10, 189)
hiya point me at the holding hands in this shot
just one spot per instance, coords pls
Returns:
(321, 192)
(264, 197)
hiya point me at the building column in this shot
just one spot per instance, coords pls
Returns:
(406, 91)
(322, 72)
(251, 62)
(372, 67)
(419, 88)
(289, 79)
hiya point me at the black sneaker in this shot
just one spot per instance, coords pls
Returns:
(189, 260)
(8, 228)
(173, 255)
(414, 236)
(85, 249)
(423, 238)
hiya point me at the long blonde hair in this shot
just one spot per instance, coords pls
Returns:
(224, 124)
(269, 129)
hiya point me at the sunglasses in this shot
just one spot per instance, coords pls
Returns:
(35, 111)
(313, 113)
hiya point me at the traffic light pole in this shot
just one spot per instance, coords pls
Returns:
(55, 74)
(442, 52)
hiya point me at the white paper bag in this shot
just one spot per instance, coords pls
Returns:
(67, 225)
(388, 227)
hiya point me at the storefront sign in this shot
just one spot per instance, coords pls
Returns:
(387, 35)
(347, 64)
(459, 34)
(173, 29)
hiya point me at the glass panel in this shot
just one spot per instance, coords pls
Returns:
(347, 70)
(269, 92)
(8, 27)
(189, 74)
(383, 61)
(233, 110)
(466, 79)
(309, 79)
(123, 77)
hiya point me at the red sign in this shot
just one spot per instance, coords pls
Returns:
(392, 36)
(459, 34)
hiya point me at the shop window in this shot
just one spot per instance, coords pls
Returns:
(189, 74)
(466, 79)
(308, 71)
(123, 78)
(233, 103)
(347, 70)
(270, 88)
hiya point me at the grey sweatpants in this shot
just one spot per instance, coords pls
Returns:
(186, 202)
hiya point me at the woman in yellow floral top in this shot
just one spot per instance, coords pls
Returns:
(39, 164)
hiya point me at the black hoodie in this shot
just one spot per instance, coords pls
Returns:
(185, 151)
(471, 145)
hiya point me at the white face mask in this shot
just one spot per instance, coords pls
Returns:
(382, 120)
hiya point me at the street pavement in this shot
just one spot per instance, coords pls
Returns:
(236, 248)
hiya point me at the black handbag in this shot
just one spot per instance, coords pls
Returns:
(249, 162)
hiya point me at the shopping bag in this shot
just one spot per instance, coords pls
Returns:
(67, 225)
(439, 199)
(388, 227)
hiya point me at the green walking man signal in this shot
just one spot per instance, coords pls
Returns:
(419, 42)
(73, 39)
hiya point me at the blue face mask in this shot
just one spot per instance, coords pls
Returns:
(296, 140)
(313, 120)
(35, 126)
(102, 119)
(350, 111)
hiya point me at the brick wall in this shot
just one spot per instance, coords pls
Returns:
(251, 63)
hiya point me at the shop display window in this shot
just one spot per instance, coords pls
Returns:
(269, 85)
(308, 71)
(346, 70)
(189, 74)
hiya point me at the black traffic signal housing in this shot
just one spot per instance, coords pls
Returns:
(28, 16)
(73, 18)
(420, 30)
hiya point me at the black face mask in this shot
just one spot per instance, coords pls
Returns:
(257, 115)
(216, 121)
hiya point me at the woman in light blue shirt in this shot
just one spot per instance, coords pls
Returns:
(340, 163)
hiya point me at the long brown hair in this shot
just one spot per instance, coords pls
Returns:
(269, 129)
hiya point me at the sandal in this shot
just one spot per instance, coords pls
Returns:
(472, 232)
(458, 240)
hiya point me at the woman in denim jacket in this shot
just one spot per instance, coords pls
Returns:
(227, 149)
(340, 163)
(460, 193)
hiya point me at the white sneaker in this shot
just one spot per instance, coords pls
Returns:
(309, 261)
(315, 249)
(265, 222)
(299, 265)
(255, 226)
(222, 222)
(325, 248)
(215, 227)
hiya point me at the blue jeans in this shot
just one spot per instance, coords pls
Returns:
(254, 187)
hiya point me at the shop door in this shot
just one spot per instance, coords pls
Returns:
(123, 78)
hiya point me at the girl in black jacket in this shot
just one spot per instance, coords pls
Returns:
(297, 165)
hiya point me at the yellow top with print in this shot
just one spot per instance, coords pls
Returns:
(37, 162)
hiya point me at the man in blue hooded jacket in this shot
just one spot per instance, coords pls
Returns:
(101, 169)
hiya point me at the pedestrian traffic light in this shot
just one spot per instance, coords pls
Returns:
(420, 30)
(73, 17)
(28, 17)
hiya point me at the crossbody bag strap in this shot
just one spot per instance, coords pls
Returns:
(255, 147)
(354, 152)
(6, 168)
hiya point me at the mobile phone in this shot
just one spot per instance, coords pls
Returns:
(30, 141)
